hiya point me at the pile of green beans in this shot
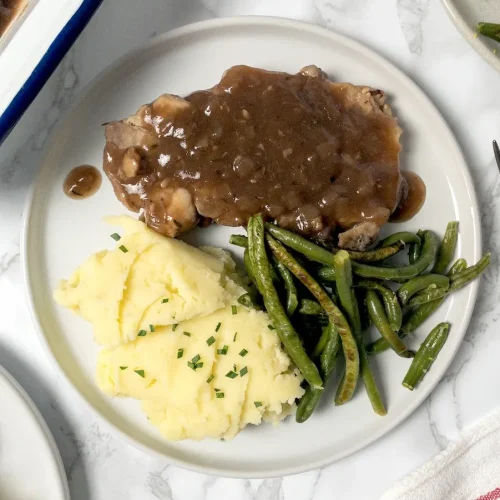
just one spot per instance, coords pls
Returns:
(301, 283)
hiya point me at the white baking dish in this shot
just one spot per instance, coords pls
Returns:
(31, 49)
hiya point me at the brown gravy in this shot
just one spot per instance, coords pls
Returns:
(9, 9)
(82, 182)
(312, 155)
(412, 200)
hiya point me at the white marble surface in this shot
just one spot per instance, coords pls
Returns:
(415, 34)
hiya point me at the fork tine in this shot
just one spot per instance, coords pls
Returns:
(496, 150)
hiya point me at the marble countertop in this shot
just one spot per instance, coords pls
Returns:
(418, 36)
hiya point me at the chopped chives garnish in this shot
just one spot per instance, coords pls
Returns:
(180, 353)
(234, 339)
(164, 301)
(152, 328)
(216, 390)
(234, 309)
(210, 340)
(123, 248)
(223, 351)
(123, 367)
(271, 327)
(209, 379)
(231, 374)
(217, 328)
(257, 404)
(243, 353)
(243, 371)
(142, 333)
(174, 327)
(234, 367)
(219, 395)
(187, 334)
(196, 359)
(194, 365)
(140, 373)
(116, 236)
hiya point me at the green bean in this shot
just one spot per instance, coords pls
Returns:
(459, 266)
(310, 307)
(239, 240)
(379, 319)
(322, 255)
(287, 334)
(447, 248)
(491, 30)
(328, 358)
(428, 295)
(249, 301)
(471, 273)
(429, 249)
(418, 316)
(326, 273)
(349, 303)
(377, 254)
(404, 236)
(337, 319)
(426, 355)
(323, 339)
(391, 302)
(292, 300)
(248, 265)
(415, 248)
(302, 245)
(419, 283)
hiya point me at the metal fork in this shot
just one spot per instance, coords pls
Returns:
(496, 150)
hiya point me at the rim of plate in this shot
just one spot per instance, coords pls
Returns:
(477, 43)
(44, 428)
(255, 22)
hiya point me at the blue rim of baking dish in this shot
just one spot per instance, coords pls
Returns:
(46, 66)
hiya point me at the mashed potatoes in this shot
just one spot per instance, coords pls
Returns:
(176, 338)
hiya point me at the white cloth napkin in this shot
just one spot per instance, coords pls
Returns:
(468, 469)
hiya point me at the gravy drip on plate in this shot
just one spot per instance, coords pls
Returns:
(313, 155)
(82, 182)
(413, 198)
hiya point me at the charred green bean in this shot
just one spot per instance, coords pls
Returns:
(335, 316)
(377, 254)
(349, 304)
(288, 336)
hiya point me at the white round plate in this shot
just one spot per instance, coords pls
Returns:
(60, 233)
(466, 14)
(30, 464)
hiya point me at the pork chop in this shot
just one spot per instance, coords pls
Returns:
(314, 156)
